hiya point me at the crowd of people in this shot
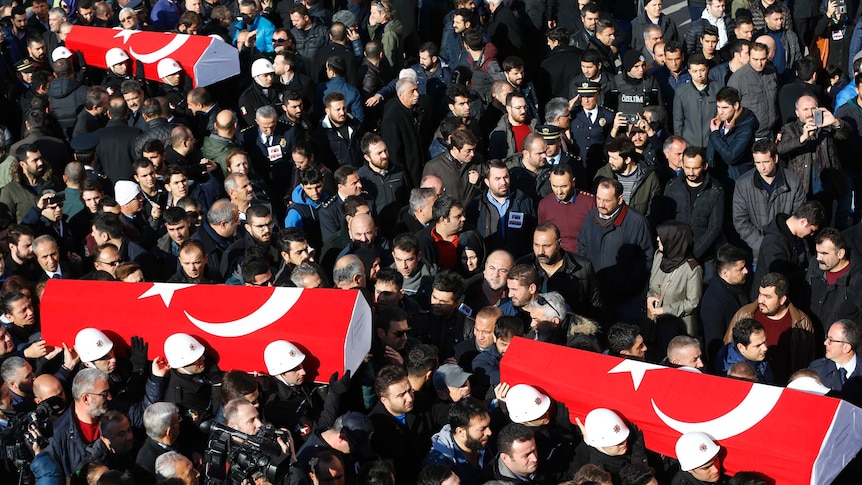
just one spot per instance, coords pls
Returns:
(591, 175)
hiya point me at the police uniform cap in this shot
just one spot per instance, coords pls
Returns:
(25, 65)
(589, 88)
(550, 133)
(85, 142)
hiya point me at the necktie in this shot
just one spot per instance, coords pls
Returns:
(842, 373)
(590, 117)
(269, 140)
(57, 276)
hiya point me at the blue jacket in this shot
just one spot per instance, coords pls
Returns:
(445, 450)
(264, 28)
(729, 155)
(296, 215)
(46, 470)
(166, 15)
(729, 355)
(352, 98)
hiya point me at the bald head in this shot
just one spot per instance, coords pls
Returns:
(225, 124)
(768, 42)
(363, 229)
(45, 386)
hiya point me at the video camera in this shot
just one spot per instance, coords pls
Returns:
(16, 441)
(249, 456)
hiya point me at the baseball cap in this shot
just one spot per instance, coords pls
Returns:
(358, 429)
(450, 375)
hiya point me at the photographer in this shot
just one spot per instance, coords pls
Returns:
(242, 416)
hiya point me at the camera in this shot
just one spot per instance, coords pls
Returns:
(632, 119)
(818, 118)
(15, 440)
(249, 456)
(56, 199)
(841, 7)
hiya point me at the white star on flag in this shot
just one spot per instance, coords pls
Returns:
(164, 290)
(636, 368)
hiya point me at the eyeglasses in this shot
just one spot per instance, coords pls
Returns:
(262, 283)
(103, 394)
(400, 333)
(543, 302)
(112, 264)
(278, 41)
(833, 341)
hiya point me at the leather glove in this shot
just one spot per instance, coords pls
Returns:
(339, 386)
(138, 356)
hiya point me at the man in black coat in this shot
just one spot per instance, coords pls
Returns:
(723, 297)
(115, 151)
(401, 130)
(263, 91)
(784, 249)
(834, 282)
(269, 143)
(335, 47)
(161, 421)
(504, 30)
(399, 434)
(559, 67)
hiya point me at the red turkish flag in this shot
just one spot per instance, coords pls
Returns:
(332, 327)
(792, 436)
(204, 59)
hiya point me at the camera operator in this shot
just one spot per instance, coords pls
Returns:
(242, 416)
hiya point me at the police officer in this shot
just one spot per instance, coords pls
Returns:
(555, 154)
(191, 387)
(590, 130)
(175, 84)
(264, 90)
(118, 70)
(297, 405)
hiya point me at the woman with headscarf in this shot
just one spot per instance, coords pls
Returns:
(675, 285)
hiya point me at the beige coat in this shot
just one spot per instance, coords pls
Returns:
(679, 292)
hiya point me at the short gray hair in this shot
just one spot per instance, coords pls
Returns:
(10, 366)
(650, 28)
(85, 381)
(404, 84)
(221, 211)
(297, 277)
(555, 304)
(419, 197)
(231, 182)
(265, 112)
(158, 418)
(166, 464)
(43, 239)
(350, 270)
(678, 343)
(555, 108)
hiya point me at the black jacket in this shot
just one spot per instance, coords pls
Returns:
(337, 150)
(556, 72)
(386, 193)
(719, 303)
(404, 444)
(830, 303)
(705, 214)
(511, 231)
(782, 252)
(115, 152)
(401, 131)
(256, 96)
(576, 280)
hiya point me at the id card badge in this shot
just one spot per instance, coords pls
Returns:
(838, 34)
(516, 220)
(274, 153)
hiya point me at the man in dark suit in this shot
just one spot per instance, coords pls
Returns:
(115, 151)
(269, 144)
(840, 369)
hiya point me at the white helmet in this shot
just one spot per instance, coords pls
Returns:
(281, 356)
(92, 344)
(114, 56)
(60, 53)
(261, 66)
(526, 403)
(604, 427)
(181, 349)
(168, 66)
(695, 449)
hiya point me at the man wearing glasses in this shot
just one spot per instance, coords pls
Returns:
(839, 370)
(105, 262)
